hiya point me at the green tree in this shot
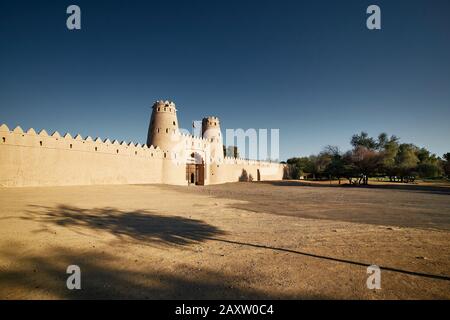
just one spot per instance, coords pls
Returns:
(298, 167)
(429, 166)
(292, 168)
(406, 161)
(446, 164)
(231, 151)
(367, 162)
(388, 149)
(335, 167)
(363, 140)
(429, 170)
(350, 170)
(372, 157)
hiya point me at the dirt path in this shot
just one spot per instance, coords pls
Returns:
(238, 240)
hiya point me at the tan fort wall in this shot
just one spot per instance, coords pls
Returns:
(227, 169)
(38, 159)
(231, 170)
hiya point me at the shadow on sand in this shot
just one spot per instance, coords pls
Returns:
(103, 278)
(427, 209)
(408, 187)
(142, 225)
(106, 276)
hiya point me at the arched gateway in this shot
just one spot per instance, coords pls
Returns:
(195, 170)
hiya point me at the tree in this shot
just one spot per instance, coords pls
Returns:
(429, 165)
(322, 161)
(406, 161)
(231, 151)
(367, 163)
(372, 157)
(244, 176)
(446, 164)
(335, 167)
(368, 156)
(388, 149)
(382, 140)
(429, 170)
(363, 140)
(298, 167)
(292, 169)
(350, 171)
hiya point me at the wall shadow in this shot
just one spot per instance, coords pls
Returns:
(338, 203)
(443, 190)
(142, 225)
(245, 176)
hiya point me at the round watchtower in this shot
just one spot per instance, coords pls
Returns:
(211, 132)
(163, 129)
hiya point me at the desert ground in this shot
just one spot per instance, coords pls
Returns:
(265, 240)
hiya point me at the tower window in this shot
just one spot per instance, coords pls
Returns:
(4, 139)
(159, 109)
(40, 143)
(157, 130)
(174, 123)
(135, 153)
(165, 155)
(95, 148)
(117, 151)
(167, 130)
(70, 146)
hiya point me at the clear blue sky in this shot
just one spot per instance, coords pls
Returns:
(309, 68)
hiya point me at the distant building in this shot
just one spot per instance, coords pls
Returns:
(170, 157)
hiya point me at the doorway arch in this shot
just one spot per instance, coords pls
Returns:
(195, 169)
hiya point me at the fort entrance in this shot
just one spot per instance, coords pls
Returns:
(195, 173)
(195, 170)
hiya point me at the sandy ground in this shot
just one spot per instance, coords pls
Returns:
(282, 240)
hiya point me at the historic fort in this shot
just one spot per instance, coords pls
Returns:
(169, 157)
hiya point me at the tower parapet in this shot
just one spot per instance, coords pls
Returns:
(211, 132)
(163, 130)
